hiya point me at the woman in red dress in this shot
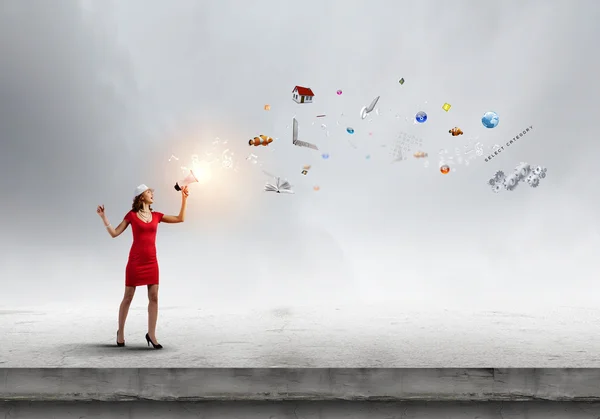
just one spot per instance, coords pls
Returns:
(142, 267)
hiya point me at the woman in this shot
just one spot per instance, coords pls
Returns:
(142, 267)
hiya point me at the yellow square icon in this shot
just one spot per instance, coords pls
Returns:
(446, 107)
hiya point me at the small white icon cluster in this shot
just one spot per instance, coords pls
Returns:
(523, 172)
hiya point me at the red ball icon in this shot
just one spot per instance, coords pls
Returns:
(444, 169)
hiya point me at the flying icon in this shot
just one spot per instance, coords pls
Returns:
(278, 186)
(456, 131)
(302, 94)
(295, 138)
(260, 140)
(421, 117)
(368, 109)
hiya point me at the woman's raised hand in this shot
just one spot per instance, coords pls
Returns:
(184, 192)
(100, 211)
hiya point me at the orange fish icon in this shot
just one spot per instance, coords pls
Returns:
(420, 154)
(260, 140)
(456, 131)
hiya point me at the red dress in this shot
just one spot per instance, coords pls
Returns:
(142, 267)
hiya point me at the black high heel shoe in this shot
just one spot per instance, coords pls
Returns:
(119, 344)
(155, 346)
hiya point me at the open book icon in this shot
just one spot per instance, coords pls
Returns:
(300, 143)
(279, 186)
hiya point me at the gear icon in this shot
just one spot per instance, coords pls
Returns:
(496, 188)
(523, 170)
(537, 170)
(533, 180)
(511, 182)
(499, 176)
(492, 181)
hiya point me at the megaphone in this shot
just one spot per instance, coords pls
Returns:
(190, 178)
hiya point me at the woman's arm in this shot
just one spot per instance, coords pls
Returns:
(114, 232)
(173, 219)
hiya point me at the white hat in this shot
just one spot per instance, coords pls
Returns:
(140, 190)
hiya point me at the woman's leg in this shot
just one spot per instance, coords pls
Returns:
(152, 311)
(124, 310)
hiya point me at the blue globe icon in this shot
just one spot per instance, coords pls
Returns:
(421, 117)
(490, 120)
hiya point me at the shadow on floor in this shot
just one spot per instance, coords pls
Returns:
(109, 348)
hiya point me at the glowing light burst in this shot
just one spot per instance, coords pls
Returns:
(214, 158)
(202, 171)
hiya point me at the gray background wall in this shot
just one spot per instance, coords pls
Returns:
(96, 96)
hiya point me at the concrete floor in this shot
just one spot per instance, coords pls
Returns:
(301, 410)
(301, 384)
(343, 337)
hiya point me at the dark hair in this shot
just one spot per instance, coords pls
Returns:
(138, 204)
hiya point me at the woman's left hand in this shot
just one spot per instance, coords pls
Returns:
(185, 192)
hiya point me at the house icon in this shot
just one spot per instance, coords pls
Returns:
(302, 94)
